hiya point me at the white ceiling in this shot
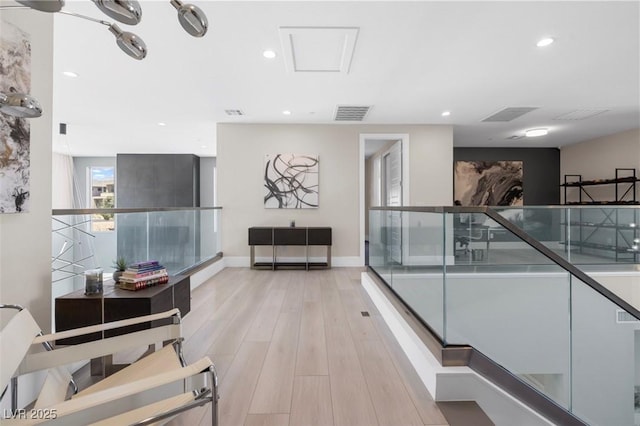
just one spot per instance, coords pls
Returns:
(412, 61)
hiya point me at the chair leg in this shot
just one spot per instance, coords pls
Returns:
(14, 394)
(215, 396)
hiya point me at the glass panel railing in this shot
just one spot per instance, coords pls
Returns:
(605, 359)
(476, 280)
(510, 302)
(378, 245)
(419, 272)
(177, 238)
(584, 236)
(406, 249)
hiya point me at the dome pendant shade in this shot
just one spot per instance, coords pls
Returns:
(20, 105)
(43, 5)
(192, 18)
(129, 43)
(126, 11)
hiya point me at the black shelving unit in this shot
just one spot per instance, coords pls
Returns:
(605, 230)
(625, 188)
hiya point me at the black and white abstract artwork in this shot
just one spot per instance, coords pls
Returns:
(488, 183)
(291, 181)
(15, 76)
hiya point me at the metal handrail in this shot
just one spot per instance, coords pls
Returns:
(60, 212)
(538, 246)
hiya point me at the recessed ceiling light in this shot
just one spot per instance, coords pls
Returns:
(446, 113)
(269, 54)
(286, 112)
(162, 124)
(532, 133)
(70, 74)
(545, 42)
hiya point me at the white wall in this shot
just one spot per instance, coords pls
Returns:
(240, 163)
(207, 181)
(598, 159)
(431, 165)
(25, 238)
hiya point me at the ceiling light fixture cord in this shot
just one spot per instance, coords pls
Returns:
(129, 43)
(88, 18)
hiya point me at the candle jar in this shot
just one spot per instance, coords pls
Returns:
(93, 281)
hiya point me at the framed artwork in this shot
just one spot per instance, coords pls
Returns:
(488, 183)
(291, 181)
(15, 76)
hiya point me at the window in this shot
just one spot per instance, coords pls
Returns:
(102, 193)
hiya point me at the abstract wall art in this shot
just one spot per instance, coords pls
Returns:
(15, 76)
(488, 183)
(291, 181)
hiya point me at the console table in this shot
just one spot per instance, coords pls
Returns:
(77, 309)
(289, 236)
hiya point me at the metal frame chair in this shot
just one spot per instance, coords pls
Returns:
(152, 390)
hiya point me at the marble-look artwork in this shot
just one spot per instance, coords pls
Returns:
(488, 183)
(15, 76)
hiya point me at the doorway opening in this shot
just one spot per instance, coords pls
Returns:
(384, 181)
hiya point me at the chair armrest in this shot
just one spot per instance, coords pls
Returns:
(116, 399)
(106, 326)
(97, 348)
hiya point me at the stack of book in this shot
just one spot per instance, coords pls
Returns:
(142, 275)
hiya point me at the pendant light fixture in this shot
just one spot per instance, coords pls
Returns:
(43, 5)
(192, 18)
(20, 105)
(126, 11)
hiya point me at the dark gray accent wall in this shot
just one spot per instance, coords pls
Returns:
(157, 180)
(541, 169)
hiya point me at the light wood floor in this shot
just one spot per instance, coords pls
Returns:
(293, 349)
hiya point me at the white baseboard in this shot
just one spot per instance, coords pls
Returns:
(451, 383)
(340, 261)
(205, 273)
(237, 261)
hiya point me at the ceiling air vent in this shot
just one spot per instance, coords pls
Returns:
(351, 113)
(580, 114)
(233, 112)
(509, 114)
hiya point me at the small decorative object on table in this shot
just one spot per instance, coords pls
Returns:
(121, 265)
(93, 281)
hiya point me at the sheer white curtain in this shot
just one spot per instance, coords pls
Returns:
(61, 181)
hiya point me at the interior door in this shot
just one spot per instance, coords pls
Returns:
(392, 164)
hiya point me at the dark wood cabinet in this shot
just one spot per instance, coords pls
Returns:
(76, 309)
(290, 236)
